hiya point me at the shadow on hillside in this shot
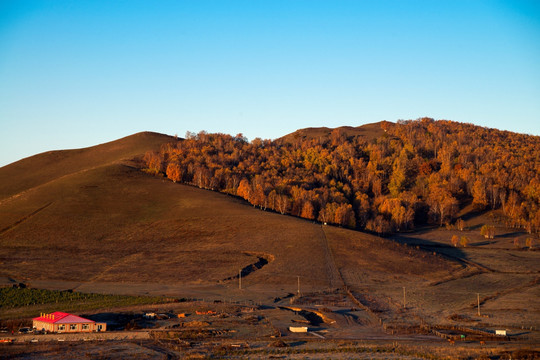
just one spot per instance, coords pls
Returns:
(512, 234)
(481, 243)
(448, 251)
(474, 227)
(473, 214)
(297, 343)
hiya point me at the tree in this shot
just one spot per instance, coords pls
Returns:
(344, 216)
(327, 214)
(488, 231)
(464, 241)
(153, 162)
(491, 232)
(479, 194)
(308, 211)
(378, 225)
(256, 195)
(362, 208)
(174, 172)
(442, 203)
(455, 240)
(282, 203)
(460, 224)
(244, 189)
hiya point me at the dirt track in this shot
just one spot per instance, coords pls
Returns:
(109, 335)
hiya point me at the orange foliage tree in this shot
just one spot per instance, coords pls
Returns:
(418, 171)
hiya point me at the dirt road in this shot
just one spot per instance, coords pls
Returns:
(109, 335)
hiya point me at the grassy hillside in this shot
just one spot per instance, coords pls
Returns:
(115, 223)
(100, 224)
(90, 217)
(42, 168)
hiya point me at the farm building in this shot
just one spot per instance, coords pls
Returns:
(64, 322)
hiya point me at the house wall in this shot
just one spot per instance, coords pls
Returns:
(77, 327)
(42, 325)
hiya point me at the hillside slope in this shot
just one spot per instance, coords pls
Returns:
(94, 222)
(103, 220)
(42, 168)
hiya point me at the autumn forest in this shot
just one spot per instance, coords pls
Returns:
(396, 178)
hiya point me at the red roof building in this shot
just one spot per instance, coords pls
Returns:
(64, 322)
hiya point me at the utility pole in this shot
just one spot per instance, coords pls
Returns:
(478, 295)
(404, 299)
(240, 279)
(298, 285)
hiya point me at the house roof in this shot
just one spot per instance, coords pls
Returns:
(62, 318)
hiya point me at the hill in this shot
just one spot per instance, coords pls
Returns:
(42, 168)
(114, 223)
(368, 132)
(380, 177)
(102, 223)
(92, 216)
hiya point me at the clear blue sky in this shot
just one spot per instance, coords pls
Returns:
(78, 73)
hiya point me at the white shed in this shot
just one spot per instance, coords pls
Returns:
(298, 329)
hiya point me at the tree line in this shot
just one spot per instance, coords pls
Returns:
(417, 172)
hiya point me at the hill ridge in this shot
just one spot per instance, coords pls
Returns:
(41, 168)
(369, 131)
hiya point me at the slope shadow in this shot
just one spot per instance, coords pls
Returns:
(448, 251)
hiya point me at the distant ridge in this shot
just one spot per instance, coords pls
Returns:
(42, 168)
(367, 131)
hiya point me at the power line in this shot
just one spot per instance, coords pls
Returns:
(240, 279)
(404, 299)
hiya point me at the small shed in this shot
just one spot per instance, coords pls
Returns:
(500, 332)
(298, 329)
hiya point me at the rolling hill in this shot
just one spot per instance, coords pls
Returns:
(91, 215)
(42, 168)
(93, 220)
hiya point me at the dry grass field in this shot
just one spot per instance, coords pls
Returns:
(91, 220)
(110, 222)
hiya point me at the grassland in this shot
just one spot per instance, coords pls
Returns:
(91, 221)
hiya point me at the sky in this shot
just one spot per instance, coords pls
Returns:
(79, 73)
